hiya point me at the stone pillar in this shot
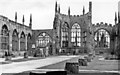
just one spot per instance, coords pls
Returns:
(61, 39)
(10, 41)
(111, 44)
(26, 42)
(19, 43)
(54, 43)
(69, 39)
(60, 35)
(53, 48)
(0, 37)
(0, 40)
(115, 43)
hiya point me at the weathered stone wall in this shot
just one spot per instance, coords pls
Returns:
(85, 25)
(108, 28)
(11, 26)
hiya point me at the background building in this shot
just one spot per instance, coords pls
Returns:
(15, 38)
(102, 37)
(43, 41)
(74, 34)
(116, 33)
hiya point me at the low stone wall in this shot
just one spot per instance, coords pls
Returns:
(101, 50)
(73, 51)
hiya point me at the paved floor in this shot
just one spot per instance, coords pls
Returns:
(58, 63)
(17, 67)
(20, 59)
(96, 64)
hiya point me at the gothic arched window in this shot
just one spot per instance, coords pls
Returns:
(4, 37)
(43, 40)
(102, 39)
(15, 40)
(22, 41)
(65, 35)
(76, 35)
(29, 41)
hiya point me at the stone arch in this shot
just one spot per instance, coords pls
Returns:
(103, 29)
(15, 43)
(5, 29)
(29, 36)
(66, 23)
(76, 23)
(45, 33)
(22, 41)
(4, 25)
(43, 43)
(4, 37)
(76, 35)
(102, 40)
(15, 31)
(22, 35)
(65, 35)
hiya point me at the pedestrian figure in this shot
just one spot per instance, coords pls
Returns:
(73, 52)
(6, 54)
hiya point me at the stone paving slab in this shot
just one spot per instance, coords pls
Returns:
(92, 69)
(19, 59)
(29, 65)
(96, 64)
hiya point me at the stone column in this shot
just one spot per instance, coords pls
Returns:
(69, 39)
(69, 34)
(54, 43)
(0, 40)
(53, 48)
(19, 43)
(60, 35)
(0, 37)
(61, 39)
(26, 42)
(111, 44)
(10, 41)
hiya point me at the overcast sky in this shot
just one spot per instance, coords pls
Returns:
(43, 11)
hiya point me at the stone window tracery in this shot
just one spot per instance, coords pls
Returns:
(76, 35)
(102, 39)
(65, 35)
(43, 40)
(4, 38)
